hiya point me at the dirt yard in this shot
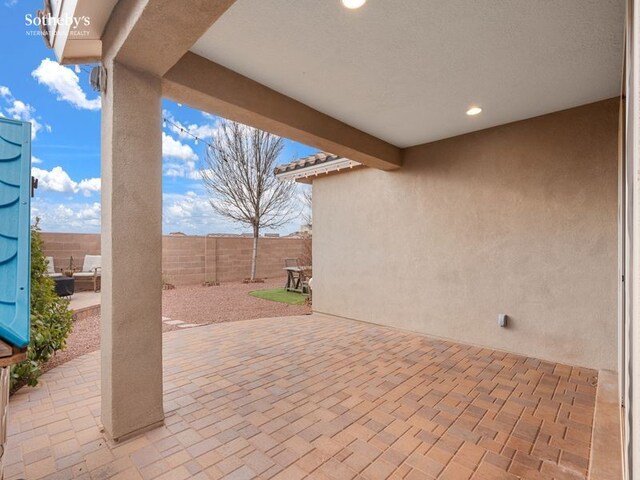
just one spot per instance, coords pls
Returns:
(225, 303)
(192, 304)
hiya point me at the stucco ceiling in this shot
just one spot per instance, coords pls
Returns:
(407, 70)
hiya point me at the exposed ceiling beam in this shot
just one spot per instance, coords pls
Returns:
(205, 85)
(152, 35)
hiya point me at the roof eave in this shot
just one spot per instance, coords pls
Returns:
(308, 173)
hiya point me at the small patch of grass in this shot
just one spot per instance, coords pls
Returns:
(280, 295)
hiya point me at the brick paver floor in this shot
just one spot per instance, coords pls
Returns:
(317, 397)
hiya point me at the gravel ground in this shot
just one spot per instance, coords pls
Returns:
(84, 338)
(192, 304)
(225, 303)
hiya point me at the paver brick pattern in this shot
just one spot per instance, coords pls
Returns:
(317, 397)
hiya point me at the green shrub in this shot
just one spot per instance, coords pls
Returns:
(51, 319)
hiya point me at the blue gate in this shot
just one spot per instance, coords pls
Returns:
(15, 231)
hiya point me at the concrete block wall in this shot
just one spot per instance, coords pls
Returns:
(63, 246)
(183, 260)
(190, 259)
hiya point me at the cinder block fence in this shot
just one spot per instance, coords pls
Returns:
(190, 259)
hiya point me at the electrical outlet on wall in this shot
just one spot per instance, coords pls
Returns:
(502, 320)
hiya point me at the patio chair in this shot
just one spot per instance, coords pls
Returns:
(51, 271)
(91, 270)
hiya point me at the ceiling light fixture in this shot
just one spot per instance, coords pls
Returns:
(353, 4)
(474, 111)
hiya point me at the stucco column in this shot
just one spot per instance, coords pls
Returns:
(131, 346)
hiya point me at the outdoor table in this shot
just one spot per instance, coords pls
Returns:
(296, 278)
(65, 286)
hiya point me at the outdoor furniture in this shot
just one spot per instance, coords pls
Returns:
(65, 286)
(51, 272)
(89, 277)
(296, 275)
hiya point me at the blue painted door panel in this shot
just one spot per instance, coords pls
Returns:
(15, 231)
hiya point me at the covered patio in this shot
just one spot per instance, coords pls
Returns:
(494, 204)
(321, 397)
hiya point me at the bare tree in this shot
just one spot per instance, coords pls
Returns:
(238, 174)
(307, 201)
(306, 234)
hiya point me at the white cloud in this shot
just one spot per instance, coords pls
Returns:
(89, 186)
(192, 213)
(19, 110)
(35, 160)
(58, 180)
(194, 174)
(55, 180)
(203, 132)
(173, 148)
(188, 212)
(63, 213)
(65, 84)
(71, 217)
(181, 169)
(89, 213)
(179, 158)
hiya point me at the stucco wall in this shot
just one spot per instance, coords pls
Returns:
(519, 219)
(228, 259)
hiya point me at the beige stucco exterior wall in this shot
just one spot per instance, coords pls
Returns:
(519, 219)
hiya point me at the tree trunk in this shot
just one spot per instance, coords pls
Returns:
(254, 254)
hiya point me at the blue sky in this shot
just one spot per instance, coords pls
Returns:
(65, 115)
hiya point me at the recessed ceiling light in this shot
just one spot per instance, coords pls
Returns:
(474, 111)
(353, 4)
